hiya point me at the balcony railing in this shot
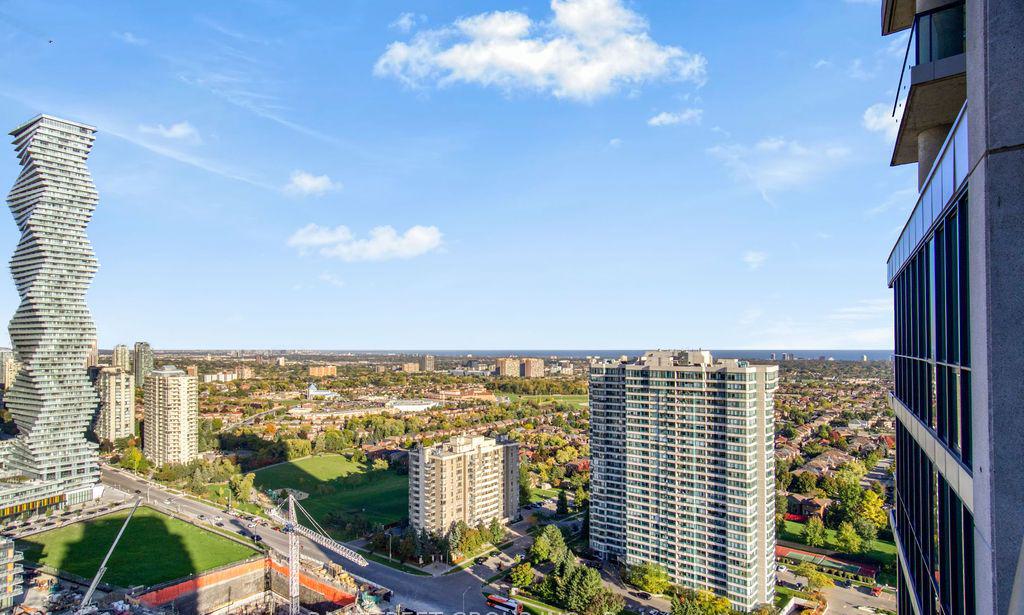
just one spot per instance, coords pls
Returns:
(944, 181)
(934, 36)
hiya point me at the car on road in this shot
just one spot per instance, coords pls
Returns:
(169, 501)
(202, 517)
(251, 525)
(220, 524)
(642, 595)
(218, 518)
(257, 538)
(781, 568)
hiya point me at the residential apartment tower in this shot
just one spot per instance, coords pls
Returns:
(469, 479)
(683, 470)
(171, 416)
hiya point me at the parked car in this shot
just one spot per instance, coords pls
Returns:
(257, 538)
(481, 559)
(642, 595)
(781, 568)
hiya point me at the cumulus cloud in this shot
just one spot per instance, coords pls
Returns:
(131, 39)
(686, 116)
(776, 164)
(383, 243)
(406, 21)
(878, 118)
(587, 49)
(181, 131)
(307, 184)
(331, 280)
(754, 260)
(615, 143)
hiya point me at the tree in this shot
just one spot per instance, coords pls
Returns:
(805, 482)
(605, 602)
(685, 607)
(780, 520)
(496, 531)
(867, 531)
(540, 551)
(241, 486)
(814, 532)
(580, 498)
(525, 490)
(581, 587)
(132, 459)
(847, 538)
(563, 503)
(521, 575)
(379, 465)
(649, 577)
(871, 508)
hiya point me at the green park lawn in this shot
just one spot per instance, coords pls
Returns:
(383, 498)
(579, 400)
(220, 494)
(155, 548)
(881, 552)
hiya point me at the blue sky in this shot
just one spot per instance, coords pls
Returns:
(427, 174)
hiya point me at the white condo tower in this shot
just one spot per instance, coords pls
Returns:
(52, 400)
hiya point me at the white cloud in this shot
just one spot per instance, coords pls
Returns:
(754, 259)
(858, 71)
(588, 49)
(865, 309)
(331, 279)
(383, 243)
(407, 21)
(686, 116)
(879, 118)
(615, 143)
(776, 164)
(131, 39)
(904, 198)
(307, 184)
(181, 131)
(822, 63)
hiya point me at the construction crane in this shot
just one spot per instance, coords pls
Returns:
(87, 598)
(317, 535)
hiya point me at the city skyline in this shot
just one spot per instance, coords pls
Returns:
(280, 248)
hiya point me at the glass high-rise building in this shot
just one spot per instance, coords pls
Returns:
(683, 470)
(958, 292)
(52, 401)
(142, 363)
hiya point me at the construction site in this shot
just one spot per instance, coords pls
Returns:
(265, 584)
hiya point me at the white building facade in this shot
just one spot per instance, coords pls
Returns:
(116, 417)
(683, 470)
(170, 431)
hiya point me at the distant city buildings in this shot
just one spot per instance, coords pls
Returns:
(468, 479)
(171, 417)
(313, 393)
(121, 357)
(192, 370)
(427, 363)
(116, 415)
(410, 368)
(532, 368)
(682, 470)
(281, 361)
(10, 371)
(143, 363)
(223, 376)
(507, 367)
(322, 371)
(92, 359)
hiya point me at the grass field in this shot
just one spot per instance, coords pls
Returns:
(579, 400)
(155, 548)
(539, 495)
(882, 552)
(384, 498)
(220, 494)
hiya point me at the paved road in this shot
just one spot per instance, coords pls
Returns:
(443, 593)
(848, 600)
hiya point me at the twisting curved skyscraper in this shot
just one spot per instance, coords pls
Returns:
(52, 400)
